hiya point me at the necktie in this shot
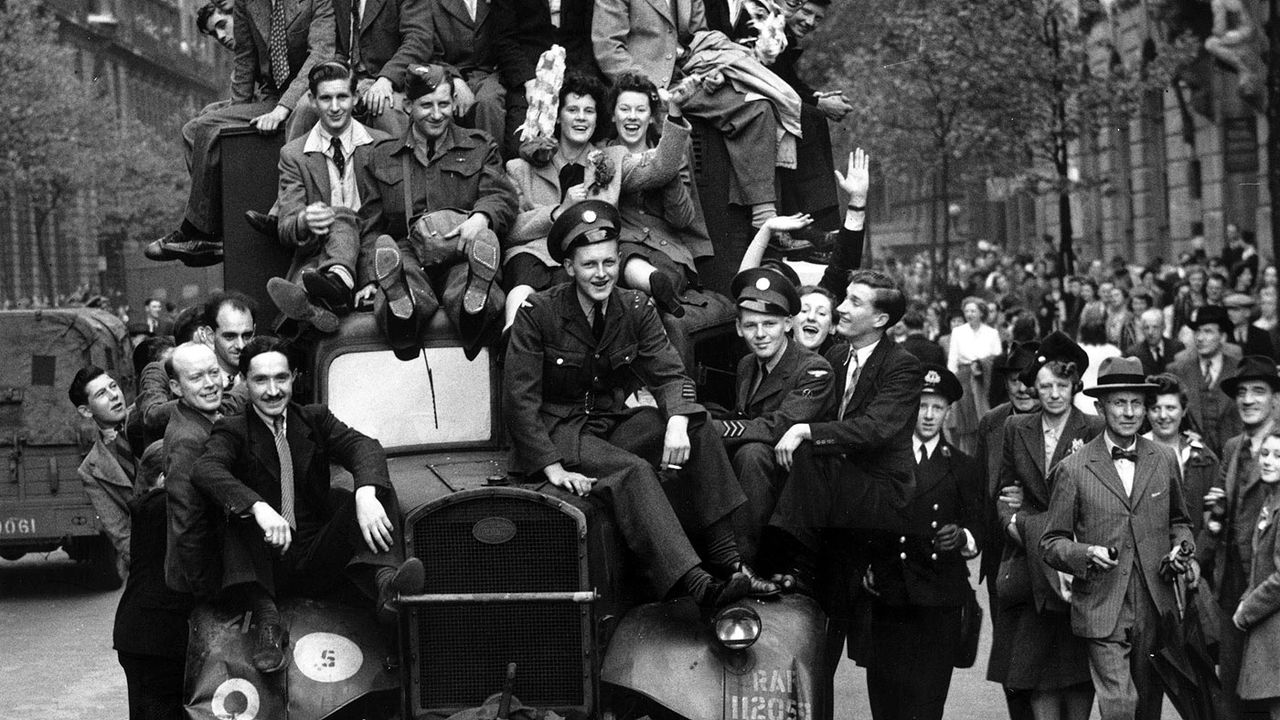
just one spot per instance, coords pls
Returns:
(286, 473)
(924, 455)
(1155, 354)
(855, 370)
(762, 372)
(124, 453)
(1118, 453)
(1208, 374)
(597, 321)
(355, 35)
(339, 160)
(278, 46)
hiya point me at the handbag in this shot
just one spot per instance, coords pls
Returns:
(970, 630)
(427, 233)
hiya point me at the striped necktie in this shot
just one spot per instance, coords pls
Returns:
(286, 473)
(855, 371)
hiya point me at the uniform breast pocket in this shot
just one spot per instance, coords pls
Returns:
(463, 167)
(390, 172)
(561, 369)
(623, 356)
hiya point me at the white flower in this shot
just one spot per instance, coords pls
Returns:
(1076, 445)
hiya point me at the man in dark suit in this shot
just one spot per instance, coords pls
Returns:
(919, 578)
(1117, 523)
(277, 44)
(462, 34)
(1030, 622)
(288, 529)
(1154, 350)
(1022, 400)
(1252, 340)
(780, 383)
(379, 40)
(1211, 412)
(577, 351)
(916, 343)
(192, 564)
(1237, 501)
(317, 202)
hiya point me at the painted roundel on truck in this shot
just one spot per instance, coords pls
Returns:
(326, 657)
(235, 699)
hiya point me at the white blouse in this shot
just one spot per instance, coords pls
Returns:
(968, 345)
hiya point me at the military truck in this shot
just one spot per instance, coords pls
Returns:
(43, 504)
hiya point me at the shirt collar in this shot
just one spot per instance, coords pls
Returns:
(1107, 438)
(417, 144)
(931, 446)
(271, 422)
(356, 134)
(587, 305)
(772, 362)
(865, 353)
(1045, 425)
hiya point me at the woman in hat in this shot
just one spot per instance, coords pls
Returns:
(1258, 613)
(576, 169)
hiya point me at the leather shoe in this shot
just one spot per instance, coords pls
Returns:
(327, 289)
(388, 272)
(664, 295)
(409, 579)
(760, 587)
(294, 303)
(483, 259)
(719, 593)
(262, 222)
(268, 651)
(192, 253)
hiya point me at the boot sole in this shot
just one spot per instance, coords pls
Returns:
(388, 268)
(483, 264)
(294, 303)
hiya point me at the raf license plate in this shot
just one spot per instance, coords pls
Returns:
(18, 526)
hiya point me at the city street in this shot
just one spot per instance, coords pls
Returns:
(57, 662)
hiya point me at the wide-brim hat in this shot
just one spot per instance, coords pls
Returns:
(584, 223)
(765, 290)
(1020, 355)
(1059, 346)
(1121, 374)
(1211, 315)
(941, 381)
(1252, 367)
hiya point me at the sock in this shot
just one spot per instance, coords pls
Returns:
(697, 582)
(720, 546)
(760, 212)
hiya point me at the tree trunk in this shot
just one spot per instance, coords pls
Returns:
(1273, 123)
(945, 181)
(1062, 157)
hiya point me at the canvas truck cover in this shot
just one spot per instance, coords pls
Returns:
(40, 351)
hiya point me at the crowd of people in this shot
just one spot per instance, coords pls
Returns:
(1101, 441)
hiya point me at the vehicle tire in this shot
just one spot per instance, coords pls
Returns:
(12, 553)
(98, 555)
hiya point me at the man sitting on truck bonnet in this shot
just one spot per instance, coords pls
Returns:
(287, 528)
(109, 468)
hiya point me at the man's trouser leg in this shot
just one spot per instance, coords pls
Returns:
(758, 474)
(811, 186)
(1120, 664)
(751, 137)
(490, 111)
(205, 200)
(913, 649)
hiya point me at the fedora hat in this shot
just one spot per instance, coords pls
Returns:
(1211, 315)
(1120, 373)
(1252, 367)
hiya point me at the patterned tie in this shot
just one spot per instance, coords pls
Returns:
(597, 321)
(1208, 374)
(339, 160)
(286, 473)
(852, 384)
(355, 35)
(278, 45)
(1118, 453)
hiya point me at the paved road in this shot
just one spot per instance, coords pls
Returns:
(57, 663)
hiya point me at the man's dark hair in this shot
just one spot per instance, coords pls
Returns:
(262, 344)
(205, 12)
(331, 70)
(234, 300)
(819, 3)
(888, 297)
(186, 323)
(1093, 333)
(1216, 276)
(78, 392)
(913, 320)
(150, 350)
(583, 85)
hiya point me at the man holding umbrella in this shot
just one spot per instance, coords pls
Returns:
(1117, 523)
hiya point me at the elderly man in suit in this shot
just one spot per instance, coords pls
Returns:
(1200, 373)
(919, 578)
(462, 34)
(577, 351)
(109, 468)
(277, 43)
(1236, 502)
(317, 202)
(1117, 523)
(379, 40)
(780, 384)
(1153, 350)
(1031, 622)
(288, 529)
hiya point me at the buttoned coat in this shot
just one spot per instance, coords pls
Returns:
(524, 31)
(1090, 507)
(558, 376)
(644, 36)
(310, 38)
(1215, 417)
(109, 489)
(1200, 472)
(797, 390)
(1023, 465)
(458, 41)
(394, 34)
(989, 455)
(1225, 559)
(1169, 349)
(192, 563)
(1260, 670)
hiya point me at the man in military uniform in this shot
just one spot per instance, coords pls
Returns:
(447, 174)
(919, 577)
(577, 351)
(780, 383)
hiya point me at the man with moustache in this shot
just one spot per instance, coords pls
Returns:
(109, 468)
(288, 530)
(191, 562)
(779, 384)
(577, 351)
(1236, 502)
(1202, 371)
(1118, 525)
(990, 453)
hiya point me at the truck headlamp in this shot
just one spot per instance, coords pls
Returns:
(737, 627)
